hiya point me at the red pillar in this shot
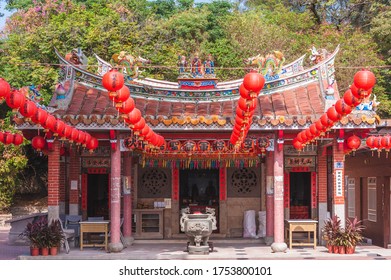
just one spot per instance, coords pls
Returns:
(339, 182)
(54, 181)
(115, 201)
(269, 198)
(279, 245)
(127, 227)
(74, 174)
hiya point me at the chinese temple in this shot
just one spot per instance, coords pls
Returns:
(196, 163)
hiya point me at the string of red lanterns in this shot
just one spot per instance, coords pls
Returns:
(17, 100)
(113, 82)
(8, 138)
(363, 82)
(249, 91)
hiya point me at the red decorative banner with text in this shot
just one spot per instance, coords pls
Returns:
(313, 190)
(286, 190)
(175, 184)
(223, 184)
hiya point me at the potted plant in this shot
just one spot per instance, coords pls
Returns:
(331, 231)
(31, 232)
(353, 232)
(56, 236)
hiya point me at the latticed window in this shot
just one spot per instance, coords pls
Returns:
(372, 203)
(154, 183)
(244, 181)
(351, 198)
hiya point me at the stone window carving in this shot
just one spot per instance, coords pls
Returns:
(154, 182)
(243, 183)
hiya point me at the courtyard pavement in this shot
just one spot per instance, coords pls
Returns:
(224, 249)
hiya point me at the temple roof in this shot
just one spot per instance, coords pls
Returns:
(292, 101)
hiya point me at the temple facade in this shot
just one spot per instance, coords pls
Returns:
(143, 191)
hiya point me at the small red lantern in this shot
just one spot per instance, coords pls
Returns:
(74, 135)
(302, 137)
(253, 82)
(233, 139)
(5, 88)
(247, 105)
(297, 144)
(324, 119)
(40, 116)
(354, 143)
(15, 99)
(314, 131)
(350, 99)
(364, 79)
(134, 116)
(93, 144)
(148, 136)
(386, 143)
(28, 109)
(81, 137)
(67, 132)
(138, 126)
(144, 131)
(8, 138)
(355, 91)
(371, 142)
(87, 139)
(122, 95)
(113, 80)
(309, 135)
(50, 122)
(333, 115)
(59, 128)
(18, 139)
(320, 127)
(342, 108)
(38, 143)
(126, 107)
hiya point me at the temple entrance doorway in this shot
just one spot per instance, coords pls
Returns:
(98, 195)
(300, 195)
(199, 188)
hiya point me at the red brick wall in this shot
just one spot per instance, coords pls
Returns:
(62, 181)
(54, 175)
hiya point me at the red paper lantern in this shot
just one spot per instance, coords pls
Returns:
(324, 119)
(145, 130)
(320, 127)
(122, 95)
(67, 132)
(28, 109)
(5, 88)
(350, 99)
(127, 107)
(18, 139)
(59, 128)
(297, 144)
(134, 116)
(241, 114)
(50, 122)
(8, 138)
(342, 108)
(233, 139)
(15, 99)
(113, 80)
(355, 91)
(87, 139)
(92, 144)
(364, 79)
(377, 142)
(302, 137)
(371, 142)
(1, 136)
(333, 115)
(81, 137)
(354, 142)
(38, 143)
(253, 82)
(313, 130)
(309, 135)
(247, 105)
(386, 142)
(74, 135)
(40, 116)
(138, 126)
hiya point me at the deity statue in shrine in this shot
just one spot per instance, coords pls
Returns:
(196, 66)
(209, 67)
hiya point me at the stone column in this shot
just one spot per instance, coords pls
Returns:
(338, 207)
(127, 227)
(115, 244)
(269, 199)
(279, 245)
(74, 175)
(54, 182)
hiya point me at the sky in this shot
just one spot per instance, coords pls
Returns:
(7, 13)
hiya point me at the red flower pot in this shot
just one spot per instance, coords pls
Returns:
(341, 249)
(44, 251)
(34, 251)
(53, 251)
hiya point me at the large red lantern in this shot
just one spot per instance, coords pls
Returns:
(342, 108)
(28, 109)
(113, 80)
(324, 119)
(126, 107)
(350, 99)
(364, 79)
(253, 82)
(333, 115)
(5, 88)
(15, 99)
(354, 143)
(122, 95)
(38, 143)
(297, 144)
(138, 126)
(134, 116)
(8, 138)
(18, 139)
(247, 105)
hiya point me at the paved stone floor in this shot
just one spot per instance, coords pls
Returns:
(224, 249)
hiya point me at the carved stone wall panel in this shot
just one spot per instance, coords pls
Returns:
(154, 183)
(243, 182)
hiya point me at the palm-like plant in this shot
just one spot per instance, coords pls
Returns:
(331, 230)
(353, 231)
